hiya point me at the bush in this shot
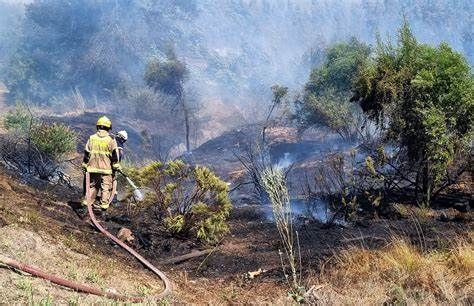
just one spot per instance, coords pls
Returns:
(336, 182)
(188, 201)
(19, 120)
(33, 146)
(330, 111)
(54, 140)
(348, 185)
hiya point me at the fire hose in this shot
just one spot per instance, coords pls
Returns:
(85, 288)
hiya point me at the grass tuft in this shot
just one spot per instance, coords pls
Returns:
(400, 273)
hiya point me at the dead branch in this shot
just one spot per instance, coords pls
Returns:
(193, 254)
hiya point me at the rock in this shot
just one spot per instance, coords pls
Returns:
(111, 290)
(125, 235)
(445, 217)
(253, 274)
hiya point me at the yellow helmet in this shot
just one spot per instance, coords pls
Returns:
(104, 121)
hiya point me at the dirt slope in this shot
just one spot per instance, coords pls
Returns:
(39, 229)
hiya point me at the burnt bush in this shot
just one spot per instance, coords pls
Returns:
(348, 184)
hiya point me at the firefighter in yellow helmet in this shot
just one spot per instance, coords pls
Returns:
(101, 160)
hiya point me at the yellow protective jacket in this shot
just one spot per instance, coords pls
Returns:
(101, 153)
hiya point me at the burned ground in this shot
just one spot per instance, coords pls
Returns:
(45, 214)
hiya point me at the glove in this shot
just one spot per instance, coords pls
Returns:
(117, 167)
(84, 167)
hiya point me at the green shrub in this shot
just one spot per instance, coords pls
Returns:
(19, 120)
(54, 140)
(34, 146)
(190, 201)
(51, 139)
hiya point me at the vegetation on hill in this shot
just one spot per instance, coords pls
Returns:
(101, 48)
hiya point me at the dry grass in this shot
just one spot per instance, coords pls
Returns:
(399, 274)
(410, 211)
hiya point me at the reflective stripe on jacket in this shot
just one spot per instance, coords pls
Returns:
(101, 150)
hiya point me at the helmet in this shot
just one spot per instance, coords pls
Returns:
(104, 121)
(123, 135)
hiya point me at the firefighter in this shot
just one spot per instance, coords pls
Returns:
(121, 137)
(101, 160)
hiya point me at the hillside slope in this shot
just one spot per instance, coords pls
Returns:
(39, 229)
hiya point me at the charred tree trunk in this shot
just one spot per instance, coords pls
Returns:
(427, 184)
(187, 126)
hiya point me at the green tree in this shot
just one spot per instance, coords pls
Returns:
(169, 77)
(422, 98)
(327, 93)
(9, 31)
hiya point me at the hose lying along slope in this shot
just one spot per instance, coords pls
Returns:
(87, 289)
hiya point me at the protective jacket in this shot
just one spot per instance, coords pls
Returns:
(101, 153)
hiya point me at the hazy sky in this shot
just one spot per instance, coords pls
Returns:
(16, 1)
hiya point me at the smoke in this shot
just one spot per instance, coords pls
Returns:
(258, 43)
(10, 17)
(285, 162)
(235, 49)
(316, 210)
